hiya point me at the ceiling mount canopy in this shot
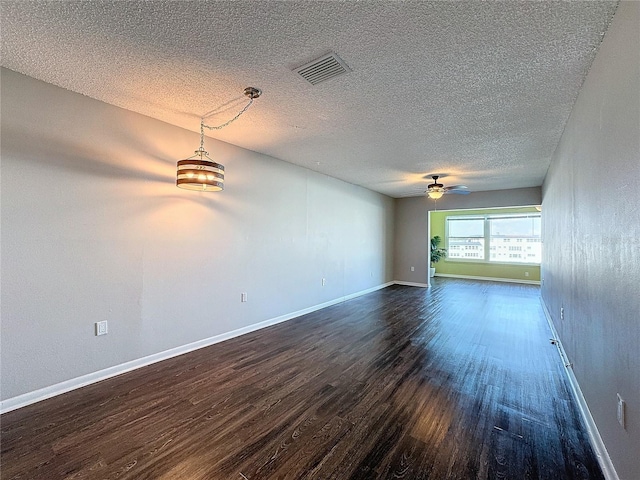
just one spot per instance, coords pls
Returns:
(200, 172)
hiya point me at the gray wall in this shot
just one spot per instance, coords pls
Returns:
(591, 234)
(94, 228)
(412, 239)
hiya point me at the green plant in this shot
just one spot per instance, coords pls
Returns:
(437, 253)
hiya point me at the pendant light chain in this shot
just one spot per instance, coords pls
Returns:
(219, 127)
(200, 172)
(201, 135)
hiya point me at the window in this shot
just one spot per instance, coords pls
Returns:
(511, 238)
(463, 234)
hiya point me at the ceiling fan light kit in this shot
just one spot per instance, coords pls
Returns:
(199, 172)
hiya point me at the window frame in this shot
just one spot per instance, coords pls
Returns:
(487, 217)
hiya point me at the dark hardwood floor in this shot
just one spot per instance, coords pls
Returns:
(456, 382)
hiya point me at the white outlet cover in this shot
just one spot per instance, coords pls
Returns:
(101, 328)
(620, 413)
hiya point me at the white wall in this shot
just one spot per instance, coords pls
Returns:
(412, 239)
(94, 228)
(591, 234)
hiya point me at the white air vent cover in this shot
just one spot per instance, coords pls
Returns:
(323, 68)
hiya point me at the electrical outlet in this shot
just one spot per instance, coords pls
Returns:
(324, 282)
(243, 297)
(101, 328)
(561, 313)
(526, 274)
(413, 269)
(620, 410)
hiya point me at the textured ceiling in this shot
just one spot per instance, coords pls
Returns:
(478, 92)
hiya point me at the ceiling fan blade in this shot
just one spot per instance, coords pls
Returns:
(459, 192)
(439, 187)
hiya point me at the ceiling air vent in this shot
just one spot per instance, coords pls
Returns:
(322, 69)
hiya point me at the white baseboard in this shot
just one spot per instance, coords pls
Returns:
(84, 380)
(492, 279)
(411, 284)
(594, 435)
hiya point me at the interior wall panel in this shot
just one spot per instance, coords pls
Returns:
(412, 238)
(591, 234)
(94, 228)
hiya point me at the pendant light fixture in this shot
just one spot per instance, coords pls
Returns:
(200, 172)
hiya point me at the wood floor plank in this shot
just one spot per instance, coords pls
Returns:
(458, 381)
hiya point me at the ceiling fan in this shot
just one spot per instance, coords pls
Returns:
(435, 190)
